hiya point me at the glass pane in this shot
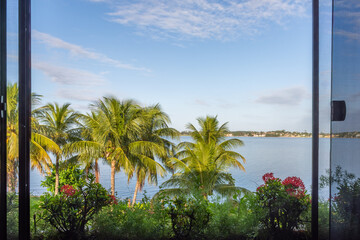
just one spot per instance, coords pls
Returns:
(12, 118)
(345, 142)
(325, 18)
(246, 62)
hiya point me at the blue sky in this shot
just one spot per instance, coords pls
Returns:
(247, 61)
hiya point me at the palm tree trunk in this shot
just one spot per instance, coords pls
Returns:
(112, 177)
(136, 191)
(97, 171)
(87, 172)
(12, 179)
(57, 176)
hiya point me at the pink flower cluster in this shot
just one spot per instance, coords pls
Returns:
(335, 198)
(294, 182)
(113, 200)
(294, 186)
(268, 176)
(260, 187)
(68, 190)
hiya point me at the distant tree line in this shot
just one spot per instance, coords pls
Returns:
(276, 133)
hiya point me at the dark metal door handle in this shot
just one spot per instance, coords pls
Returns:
(338, 111)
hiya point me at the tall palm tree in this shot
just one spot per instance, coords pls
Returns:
(39, 143)
(115, 132)
(12, 134)
(202, 165)
(154, 128)
(88, 149)
(60, 123)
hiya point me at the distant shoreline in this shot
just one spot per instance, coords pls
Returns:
(286, 134)
(268, 136)
(277, 133)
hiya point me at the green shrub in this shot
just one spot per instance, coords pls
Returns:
(145, 220)
(72, 175)
(71, 210)
(345, 203)
(282, 203)
(12, 215)
(234, 218)
(189, 216)
(323, 220)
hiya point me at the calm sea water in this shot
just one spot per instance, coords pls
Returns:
(282, 156)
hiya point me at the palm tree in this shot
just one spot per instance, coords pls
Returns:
(114, 128)
(88, 149)
(201, 165)
(154, 128)
(39, 143)
(12, 138)
(60, 123)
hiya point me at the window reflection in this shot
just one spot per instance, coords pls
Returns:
(345, 166)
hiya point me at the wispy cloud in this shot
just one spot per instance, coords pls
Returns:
(86, 95)
(201, 103)
(205, 18)
(69, 76)
(347, 19)
(348, 34)
(288, 96)
(77, 50)
(349, 4)
(214, 103)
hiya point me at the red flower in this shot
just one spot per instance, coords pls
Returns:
(335, 198)
(294, 186)
(68, 190)
(113, 200)
(259, 187)
(294, 182)
(268, 176)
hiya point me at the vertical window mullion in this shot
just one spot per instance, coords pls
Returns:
(3, 157)
(315, 122)
(24, 117)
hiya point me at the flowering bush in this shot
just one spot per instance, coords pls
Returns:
(72, 176)
(71, 209)
(282, 203)
(68, 190)
(113, 200)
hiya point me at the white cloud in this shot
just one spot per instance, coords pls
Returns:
(205, 18)
(348, 4)
(287, 96)
(86, 95)
(80, 51)
(69, 76)
(347, 34)
(201, 103)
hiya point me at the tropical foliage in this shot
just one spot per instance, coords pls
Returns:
(202, 164)
(345, 202)
(60, 124)
(72, 175)
(71, 209)
(198, 201)
(40, 143)
(282, 204)
(155, 130)
(127, 137)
